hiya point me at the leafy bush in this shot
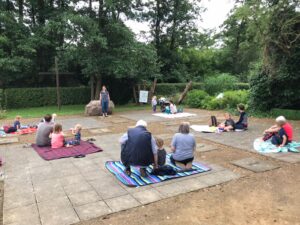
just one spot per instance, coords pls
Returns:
(195, 98)
(288, 113)
(2, 114)
(35, 97)
(220, 83)
(230, 100)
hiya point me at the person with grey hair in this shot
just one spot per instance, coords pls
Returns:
(183, 146)
(281, 123)
(138, 148)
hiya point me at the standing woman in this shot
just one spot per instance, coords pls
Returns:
(104, 101)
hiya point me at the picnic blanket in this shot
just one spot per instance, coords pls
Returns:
(267, 147)
(204, 128)
(173, 116)
(135, 180)
(25, 131)
(83, 149)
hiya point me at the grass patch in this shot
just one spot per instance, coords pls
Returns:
(65, 110)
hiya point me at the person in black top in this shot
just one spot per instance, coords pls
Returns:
(242, 123)
(228, 124)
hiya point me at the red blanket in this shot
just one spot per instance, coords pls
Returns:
(25, 131)
(83, 149)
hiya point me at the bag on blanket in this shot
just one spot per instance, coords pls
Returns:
(163, 171)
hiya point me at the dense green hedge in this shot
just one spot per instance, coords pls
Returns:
(35, 97)
(168, 89)
(290, 114)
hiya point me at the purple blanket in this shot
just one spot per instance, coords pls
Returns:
(49, 153)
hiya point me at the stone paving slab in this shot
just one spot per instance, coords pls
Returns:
(66, 191)
(255, 165)
(148, 117)
(8, 140)
(57, 211)
(121, 203)
(100, 131)
(22, 216)
(86, 123)
(206, 148)
(93, 210)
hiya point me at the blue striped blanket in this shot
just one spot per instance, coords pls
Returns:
(267, 147)
(117, 168)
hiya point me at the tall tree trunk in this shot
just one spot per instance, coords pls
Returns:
(184, 93)
(157, 24)
(90, 8)
(41, 11)
(174, 25)
(134, 94)
(21, 6)
(98, 86)
(152, 90)
(92, 83)
(101, 13)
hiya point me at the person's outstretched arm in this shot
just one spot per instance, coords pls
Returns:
(284, 137)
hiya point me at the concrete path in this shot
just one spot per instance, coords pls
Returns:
(66, 191)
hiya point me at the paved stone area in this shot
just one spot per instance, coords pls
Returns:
(8, 140)
(86, 122)
(69, 190)
(244, 141)
(255, 165)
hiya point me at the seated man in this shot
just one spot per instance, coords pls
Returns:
(281, 122)
(43, 132)
(138, 148)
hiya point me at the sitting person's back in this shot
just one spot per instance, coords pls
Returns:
(57, 137)
(242, 123)
(288, 130)
(161, 152)
(43, 132)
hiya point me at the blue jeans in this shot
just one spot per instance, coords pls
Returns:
(104, 106)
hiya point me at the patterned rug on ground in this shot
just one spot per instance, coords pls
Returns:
(117, 168)
(83, 149)
(267, 147)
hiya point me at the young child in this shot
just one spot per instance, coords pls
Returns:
(17, 123)
(242, 123)
(228, 124)
(154, 103)
(161, 153)
(280, 139)
(173, 107)
(76, 131)
(57, 137)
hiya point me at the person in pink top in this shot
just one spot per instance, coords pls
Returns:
(57, 137)
(286, 126)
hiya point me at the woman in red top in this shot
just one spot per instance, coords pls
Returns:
(286, 126)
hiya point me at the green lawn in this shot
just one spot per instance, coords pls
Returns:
(65, 110)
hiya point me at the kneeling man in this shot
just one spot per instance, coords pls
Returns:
(138, 148)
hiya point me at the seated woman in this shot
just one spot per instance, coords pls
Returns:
(228, 124)
(281, 123)
(183, 146)
(242, 123)
(280, 139)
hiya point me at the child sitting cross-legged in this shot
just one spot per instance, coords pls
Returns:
(228, 124)
(57, 137)
(76, 131)
(162, 169)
